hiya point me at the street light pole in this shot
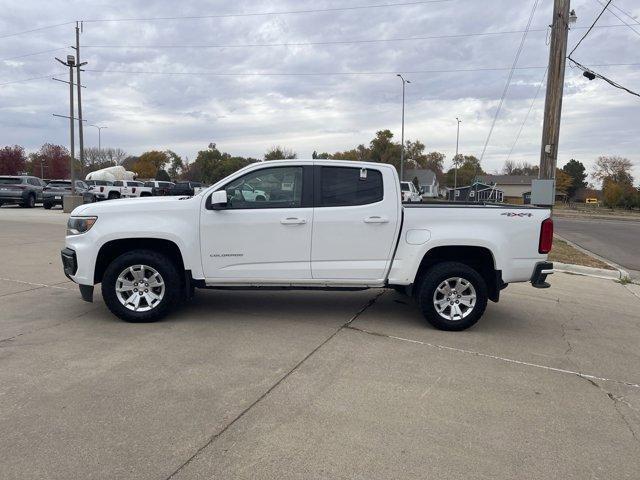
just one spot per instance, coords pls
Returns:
(404, 82)
(455, 159)
(99, 136)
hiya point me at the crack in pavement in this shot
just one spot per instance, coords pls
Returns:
(496, 357)
(616, 404)
(215, 436)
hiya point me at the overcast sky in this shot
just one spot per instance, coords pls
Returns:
(246, 114)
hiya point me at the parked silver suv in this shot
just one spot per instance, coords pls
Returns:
(21, 189)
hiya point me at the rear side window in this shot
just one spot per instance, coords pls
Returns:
(117, 183)
(149, 184)
(344, 186)
(10, 180)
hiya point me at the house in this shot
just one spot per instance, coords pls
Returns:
(513, 186)
(428, 183)
(476, 192)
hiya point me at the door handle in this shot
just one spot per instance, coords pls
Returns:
(376, 219)
(293, 221)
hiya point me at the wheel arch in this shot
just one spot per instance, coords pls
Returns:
(114, 248)
(479, 258)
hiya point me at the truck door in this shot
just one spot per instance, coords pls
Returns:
(355, 222)
(266, 237)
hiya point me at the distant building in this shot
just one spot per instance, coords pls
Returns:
(477, 192)
(513, 186)
(427, 181)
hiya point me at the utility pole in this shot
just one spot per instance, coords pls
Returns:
(455, 160)
(80, 129)
(71, 61)
(555, 84)
(404, 82)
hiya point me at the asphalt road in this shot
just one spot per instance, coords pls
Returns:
(314, 385)
(616, 240)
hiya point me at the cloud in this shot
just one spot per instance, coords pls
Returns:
(247, 114)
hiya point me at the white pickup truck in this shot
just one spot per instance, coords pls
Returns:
(121, 189)
(322, 224)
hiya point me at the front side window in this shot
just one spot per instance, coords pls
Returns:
(277, 187)
(346, 186)
(117, 183)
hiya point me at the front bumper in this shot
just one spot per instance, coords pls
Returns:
(540, 272)
(70, 266)
(69, 262)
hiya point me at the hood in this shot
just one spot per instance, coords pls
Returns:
(131, 205)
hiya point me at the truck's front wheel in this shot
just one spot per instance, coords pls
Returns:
(141, 286)
(453, 296)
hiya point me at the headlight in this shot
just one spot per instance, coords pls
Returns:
(78, 225)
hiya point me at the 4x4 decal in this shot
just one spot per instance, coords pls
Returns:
(514, 214)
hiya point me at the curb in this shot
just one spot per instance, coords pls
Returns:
(589, 271)
(577, 216)
(620, 273)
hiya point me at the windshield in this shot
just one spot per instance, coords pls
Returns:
(10, 180)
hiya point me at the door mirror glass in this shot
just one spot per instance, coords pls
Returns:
(217, 200)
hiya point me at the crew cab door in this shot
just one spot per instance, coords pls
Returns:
(356, 222)
(265, 237)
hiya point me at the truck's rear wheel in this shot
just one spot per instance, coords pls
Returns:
(141, 286)
(113, 195)
(453, 296)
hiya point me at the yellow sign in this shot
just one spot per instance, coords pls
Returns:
(591, 200)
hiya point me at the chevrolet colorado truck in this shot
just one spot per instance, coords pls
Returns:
(322, 224)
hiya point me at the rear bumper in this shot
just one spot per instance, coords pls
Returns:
(8, 196)
(540, 272)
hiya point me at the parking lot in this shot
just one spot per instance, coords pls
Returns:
(310, 384)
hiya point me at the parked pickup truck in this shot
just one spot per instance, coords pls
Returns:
(125, 189)
(324, 224)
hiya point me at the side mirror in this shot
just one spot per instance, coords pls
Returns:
(217, 200)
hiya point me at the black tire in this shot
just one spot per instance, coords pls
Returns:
(438, 274)
(47, 206)
(30, 202)
(260, 198)
(113, 195)
(163, 265)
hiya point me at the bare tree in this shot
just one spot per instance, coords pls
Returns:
(614, 168)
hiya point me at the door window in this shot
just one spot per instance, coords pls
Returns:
(345, 186)
(277, 187)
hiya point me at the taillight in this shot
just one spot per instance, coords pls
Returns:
(133, 190)
(101, 189)
(546, 236)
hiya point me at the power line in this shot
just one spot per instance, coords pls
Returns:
(526, 117)
(262, 14)
(590, 28)
(506, 86)
(615, 15)
(329, 42)
(46, 27)
(32, 54)
(591, 75)
(635, 20)
(315, 74)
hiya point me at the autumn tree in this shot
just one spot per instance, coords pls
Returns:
(613, 168)
(12, 160)
(279, 153)
(53, 160)
(563, 181)
(149, 163)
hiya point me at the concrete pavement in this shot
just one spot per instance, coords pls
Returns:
(310, 384)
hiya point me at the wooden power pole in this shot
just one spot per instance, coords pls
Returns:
(555, 84)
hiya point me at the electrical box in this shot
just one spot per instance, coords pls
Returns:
(543, 192)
